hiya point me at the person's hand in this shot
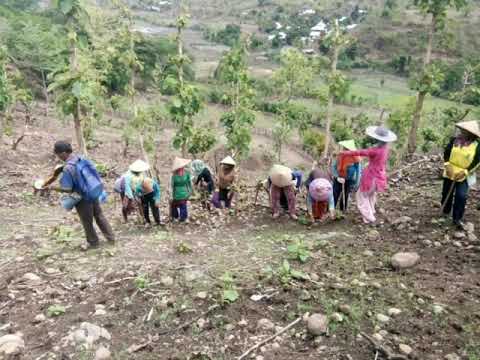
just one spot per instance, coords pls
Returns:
(341, 180)
(449, 171)
(460, 176)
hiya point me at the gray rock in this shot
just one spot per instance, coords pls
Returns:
(382, 318)
(193, 275)
(202, 295)
(265, 324)
(31, 277)
(88, 334)
(368, 253)
(394, 312)
(378, 337)
(459, 235)
(102, 353)
(472, 237)
(402, 220)
(405, 349)
(437, 309)
(12, 344)
(469, 227)
(166, 281)
(39, 318)
(337, 317)
(452, 357)
(345, 309)
(317, 324)
(404, 260)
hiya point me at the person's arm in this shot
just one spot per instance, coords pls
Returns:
(334, 169)
(128, 187)
(358, 174)
(309, 180)
(365, 152)
(448, 150)
(476, 159)
(331, 203)
(189, 184)
(156, 193)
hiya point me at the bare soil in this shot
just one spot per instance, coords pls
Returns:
(128, 278)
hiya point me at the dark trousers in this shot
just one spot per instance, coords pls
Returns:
(458, 198)
(180, 210)
(337, 193)
(87, 211)
(148, 202)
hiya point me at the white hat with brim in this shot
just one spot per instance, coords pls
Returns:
(281, 176)
(180, 163)
(381, 133)
(471, 126)
(228, 161)
(139, 166)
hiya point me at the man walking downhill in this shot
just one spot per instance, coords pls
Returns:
(88, 206)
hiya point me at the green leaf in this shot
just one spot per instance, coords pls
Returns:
(230, 295)
(286, 265)
(66, 6)
(298, 275)
(77, 89)
(56, 310)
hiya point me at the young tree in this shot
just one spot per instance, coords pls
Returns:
(430, 76)
(336, 80)
(293, 79)
(187, 101)
(5, 87)
(238, 122)
(78, 86)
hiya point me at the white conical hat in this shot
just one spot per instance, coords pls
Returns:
(470, 126)
(381, 133)
(228, 161)
(180, 163)
(281, 176)
(139, 166)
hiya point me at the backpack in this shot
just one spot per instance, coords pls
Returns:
(87, 179)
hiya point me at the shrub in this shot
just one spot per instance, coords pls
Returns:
(314, 142)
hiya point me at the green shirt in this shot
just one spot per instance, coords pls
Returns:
(182, 186)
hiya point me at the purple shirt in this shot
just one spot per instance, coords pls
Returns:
(374, 177)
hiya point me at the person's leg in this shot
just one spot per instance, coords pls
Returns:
(183, 211)
(337, 191)
(348, 189)
(124, 207)
(155, 210)
(275, 200)
(283, 200)
(291, 200)
(174, 210)
(102, 222)
(372, 197)
(365, 207)
(146, 211)
(447, 208)
(461, 196)
(85, 212)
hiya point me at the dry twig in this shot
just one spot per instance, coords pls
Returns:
(188, 323)
(261, 343)
(383, 350)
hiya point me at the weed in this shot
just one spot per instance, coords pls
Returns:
(286, 274)
(183, 248)
(229, 292)
(299, 251)
(56, 310)
(62, 234)
(142, 282)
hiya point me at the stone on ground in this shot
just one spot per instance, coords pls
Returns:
(102, 353)
(382, 318)
(404, 260)
(394, 312)
(265, 324)
(12, 344)
(317, 324)
(405, 349)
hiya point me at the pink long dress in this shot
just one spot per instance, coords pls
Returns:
(374, 179)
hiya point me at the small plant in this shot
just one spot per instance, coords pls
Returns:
(56, 310)
(142, 282)
(299, 251)
(229, 292)
(62, 234)
(286, 274)
(183, 248)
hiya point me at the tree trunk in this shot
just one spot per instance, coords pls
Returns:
(79, 131)
(330, 105)
(417, 115)
(45, 93)
(2, 127)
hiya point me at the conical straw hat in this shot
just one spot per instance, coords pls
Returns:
(179, 163)
(348, 144)
(381, 133)
(470, 126)
(139, 166)
(281, 176)
(228, 161)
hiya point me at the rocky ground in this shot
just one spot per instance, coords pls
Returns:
(406, 289)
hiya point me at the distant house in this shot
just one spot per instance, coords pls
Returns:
(351, 27)
(318, 30)
(307, 12)
(309, 51)
(343, 18)
(282, 35)
(278, 26)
